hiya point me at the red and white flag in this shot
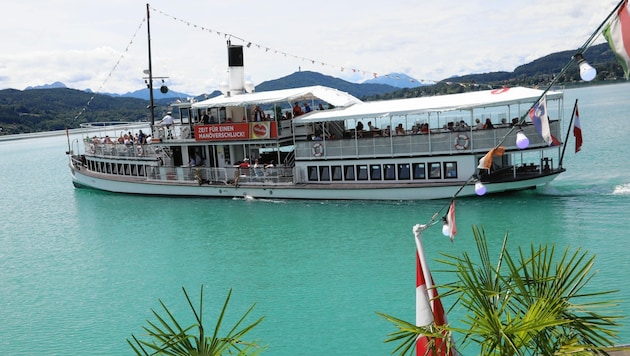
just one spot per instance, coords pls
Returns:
(429, 308)
(577, 130)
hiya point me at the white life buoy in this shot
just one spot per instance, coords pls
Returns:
(92, 148)
(140, 150)
(461, 142)
(318, 150)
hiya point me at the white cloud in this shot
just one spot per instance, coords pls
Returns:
(79, 43)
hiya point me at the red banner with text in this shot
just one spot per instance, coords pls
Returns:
(236, 132)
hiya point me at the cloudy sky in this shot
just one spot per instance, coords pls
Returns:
(102, 45)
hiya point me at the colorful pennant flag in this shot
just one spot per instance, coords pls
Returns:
(540, 119)
(577, 130)
(617, 33)
(538, 115)
(450, 221)
(429, 307)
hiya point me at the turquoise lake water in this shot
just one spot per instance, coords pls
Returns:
(81, 270)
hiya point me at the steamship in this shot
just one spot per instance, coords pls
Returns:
(249, 144)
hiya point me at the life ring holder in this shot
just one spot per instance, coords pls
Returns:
(318, 150)
(92, 148)
(139, 150)
(458, 141)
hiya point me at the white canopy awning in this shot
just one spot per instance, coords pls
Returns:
(329, 95)
(440, 103)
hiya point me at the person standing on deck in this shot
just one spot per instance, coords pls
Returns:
(168, 122)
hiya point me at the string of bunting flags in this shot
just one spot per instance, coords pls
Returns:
(109, 75)
(253, 44)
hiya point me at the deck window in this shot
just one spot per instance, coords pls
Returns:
(348, 173)
(375, 172)
(404, 171)
(312, 173)
(435, 170)
(419, 171)
(324, 173)
(450, 169)
(389, 171)
(362, 172)
(337, 173)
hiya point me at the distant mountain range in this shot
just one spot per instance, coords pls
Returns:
(398, 80)
(295, 80)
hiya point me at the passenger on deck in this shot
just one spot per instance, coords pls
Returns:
(142, 138)
(424, 129)
(320, 107)
(167, 121)
(359, 129)
(269, 165)
(198, 160)
(488, 125)
(205, 119)
(297, 110)
(258, 169)
(243, 169)
(258, 114)
(462, 126)
(108, 140)
(479, 125)
(307, 107)
(244, 166)
(372, 127)
(400, 130)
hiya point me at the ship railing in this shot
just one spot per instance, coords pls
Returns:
(271, 175)
(225, 175)
(114, 150)
(435, 143)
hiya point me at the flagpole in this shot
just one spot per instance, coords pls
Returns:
(566, 139)
(424, 305)
(424, 317)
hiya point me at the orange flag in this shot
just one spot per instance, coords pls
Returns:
(486, 161)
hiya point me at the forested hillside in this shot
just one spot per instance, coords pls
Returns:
(55, 109)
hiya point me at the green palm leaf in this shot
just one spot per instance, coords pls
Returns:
(534, 302)
(168, 337)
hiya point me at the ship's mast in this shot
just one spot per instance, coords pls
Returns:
(151, 106)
